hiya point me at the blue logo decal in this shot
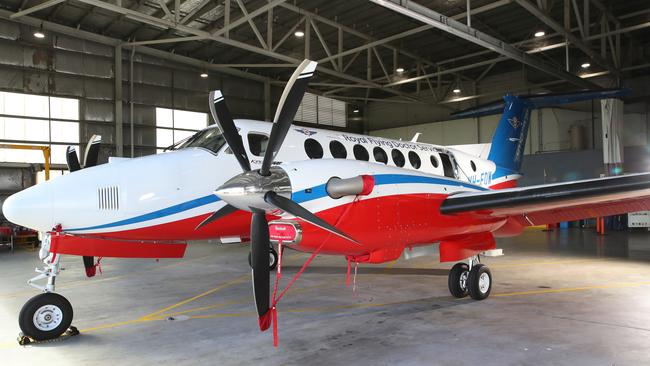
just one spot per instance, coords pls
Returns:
(305, 131)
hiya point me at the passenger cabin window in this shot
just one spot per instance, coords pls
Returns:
(360, 153)
(210, 138)
(398, 157)
(447, 166)
(257, 143)
(414, 159)
(380, 155)
(313, 149)
(473, 164)
(338, 150)
(434, 161)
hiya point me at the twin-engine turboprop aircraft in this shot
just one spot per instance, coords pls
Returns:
(364, 198)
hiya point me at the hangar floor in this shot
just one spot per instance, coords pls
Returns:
(563, 297)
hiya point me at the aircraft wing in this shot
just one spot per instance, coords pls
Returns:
(551, 203)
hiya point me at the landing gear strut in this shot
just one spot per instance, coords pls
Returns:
(47, 315)
(472, 278)
(273, 259)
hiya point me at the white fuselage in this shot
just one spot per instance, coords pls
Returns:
(133, 194)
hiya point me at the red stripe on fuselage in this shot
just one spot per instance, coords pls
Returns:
(507, 184)
(379, 223)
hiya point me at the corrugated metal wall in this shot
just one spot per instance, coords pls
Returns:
(65, 66)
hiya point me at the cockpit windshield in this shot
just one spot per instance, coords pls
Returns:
(210, 139)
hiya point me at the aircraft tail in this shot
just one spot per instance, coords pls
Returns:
(509, 140)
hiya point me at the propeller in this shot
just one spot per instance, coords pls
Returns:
(91, 155)
(265, 190)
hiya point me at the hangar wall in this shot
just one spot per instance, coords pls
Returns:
(60, 65)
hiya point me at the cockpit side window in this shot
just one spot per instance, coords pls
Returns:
(210, 138)
(257, 143)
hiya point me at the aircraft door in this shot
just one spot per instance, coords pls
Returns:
(448, 165)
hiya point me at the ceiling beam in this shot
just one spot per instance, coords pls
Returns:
(36, 8)
(94, 37)
(439, 21)
(147, 19)
(534, 10)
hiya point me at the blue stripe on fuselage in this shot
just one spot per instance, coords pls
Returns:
(202, 201)
(301, 196)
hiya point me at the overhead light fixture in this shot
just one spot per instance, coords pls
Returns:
(356, 110)
(204, 74)
(456, 91)
(585, 65)
(540, 34)
(400, 69)
(299, 33)
(39, 33)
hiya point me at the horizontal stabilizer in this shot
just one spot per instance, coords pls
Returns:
(542, 100)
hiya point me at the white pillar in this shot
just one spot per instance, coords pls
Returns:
(612, 121)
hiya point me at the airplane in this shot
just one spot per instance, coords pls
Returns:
(318, 191)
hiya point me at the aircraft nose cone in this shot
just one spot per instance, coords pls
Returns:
(28, 208)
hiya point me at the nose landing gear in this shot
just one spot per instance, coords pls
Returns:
(473, 278)
(48, 315)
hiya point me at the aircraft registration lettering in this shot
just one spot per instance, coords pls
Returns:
(484, 178)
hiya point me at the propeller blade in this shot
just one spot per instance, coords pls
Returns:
(221, 116)
(225, 210)
(295, 209)
(71, 159)
(287, 108)
(260, 262)
(92, 151)
(89, 265)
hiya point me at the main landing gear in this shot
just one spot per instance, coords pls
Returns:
(273, 258)
(473, 278)
(48, 315)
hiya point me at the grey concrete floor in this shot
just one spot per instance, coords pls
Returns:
(561, 298)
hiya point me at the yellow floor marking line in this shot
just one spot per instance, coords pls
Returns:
(572, 289)
(113, 325)
(211, 291)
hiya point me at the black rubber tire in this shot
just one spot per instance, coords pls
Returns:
(473, 282)
(454, 280)
(272, 254)
(26, 316)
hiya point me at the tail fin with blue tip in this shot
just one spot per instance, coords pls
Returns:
(509, 140)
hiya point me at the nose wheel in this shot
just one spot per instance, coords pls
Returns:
(45, 316)
(473, 279)
(273, 259)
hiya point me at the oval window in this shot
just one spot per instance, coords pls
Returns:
(313, 149)
(471, 162)
(414, 159)
(398, 157)
(434, 161)
(380, 155)
(360, 153)
(338, 150)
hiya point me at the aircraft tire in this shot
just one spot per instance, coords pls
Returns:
(45, 316)
(273, 259)
(479, 282)
(455, 279)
